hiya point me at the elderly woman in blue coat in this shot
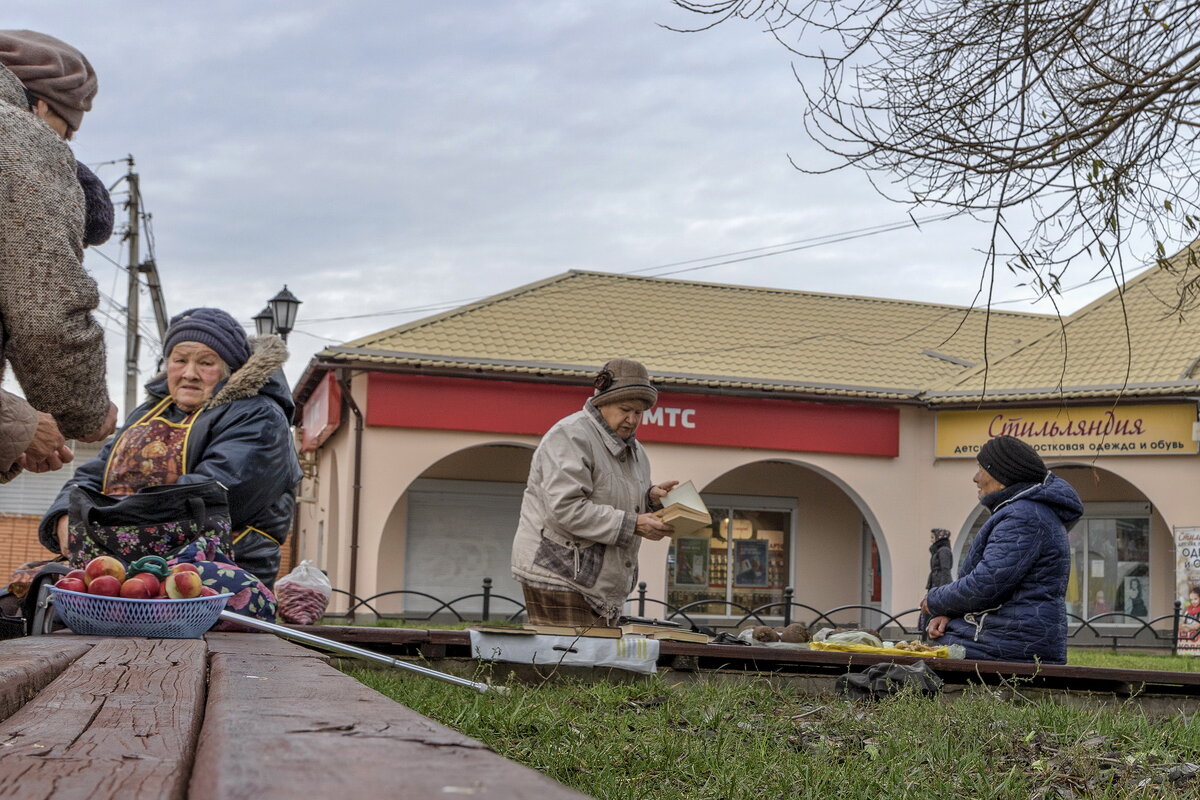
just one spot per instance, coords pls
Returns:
(1008, 603)
(221, 411)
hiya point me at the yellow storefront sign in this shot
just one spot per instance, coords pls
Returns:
(1087, 431)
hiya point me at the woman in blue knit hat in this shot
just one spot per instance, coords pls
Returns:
(220, 411)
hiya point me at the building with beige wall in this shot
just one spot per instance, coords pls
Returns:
(828, 434)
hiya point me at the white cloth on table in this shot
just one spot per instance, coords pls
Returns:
(634, 653)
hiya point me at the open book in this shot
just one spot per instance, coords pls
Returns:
(684, 511)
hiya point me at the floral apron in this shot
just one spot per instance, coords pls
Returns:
(152, 452)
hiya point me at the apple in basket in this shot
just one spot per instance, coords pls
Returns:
(137, 588)
(185, 566)
(76, 573)
(208, 591)
(153, 584)
(183, 585)
(101, 566)
(71, 584)
(104, 585)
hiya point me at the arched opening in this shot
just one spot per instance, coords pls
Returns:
(777, 524)
(452, 528)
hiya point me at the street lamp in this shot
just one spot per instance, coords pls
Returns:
(264, 321)
(282, 310)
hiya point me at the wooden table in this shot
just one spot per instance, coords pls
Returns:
(233, 715)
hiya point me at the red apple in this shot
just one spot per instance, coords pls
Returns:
(152, 582)
(76, 573)
(103, 565)
(183, 585)
(71, 584)
(185, 566)
(137, 589)
(105, 585)
(208, 591)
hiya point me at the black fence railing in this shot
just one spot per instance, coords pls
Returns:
(1113, 629)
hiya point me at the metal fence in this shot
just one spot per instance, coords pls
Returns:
(1113, 629)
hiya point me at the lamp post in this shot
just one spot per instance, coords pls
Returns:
(279, 316)
(264, 321)
(283, 308)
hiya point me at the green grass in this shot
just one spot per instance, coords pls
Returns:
(1130, 659)
(759, 738)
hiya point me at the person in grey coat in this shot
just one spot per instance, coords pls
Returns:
(588, 503)
(47, 332)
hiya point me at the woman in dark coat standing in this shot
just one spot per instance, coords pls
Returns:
(941, 562)
(1008, 603)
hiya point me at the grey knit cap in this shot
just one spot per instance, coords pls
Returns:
(623, 379)
(52, 70)
(212, 327)
(1010, 461)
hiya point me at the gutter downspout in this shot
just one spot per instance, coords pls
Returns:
(344, 382)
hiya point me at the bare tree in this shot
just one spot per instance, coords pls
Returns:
(1070, 124)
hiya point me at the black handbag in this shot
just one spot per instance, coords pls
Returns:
(156, 520)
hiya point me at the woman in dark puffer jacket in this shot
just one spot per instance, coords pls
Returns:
(1008, 603)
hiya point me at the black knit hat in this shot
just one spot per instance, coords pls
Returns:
(98, 207)
(623, 379)
(212, 327)
(1010, 460)
(940, 533)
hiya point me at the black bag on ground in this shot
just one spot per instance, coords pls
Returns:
(881, 680)
(156, 520)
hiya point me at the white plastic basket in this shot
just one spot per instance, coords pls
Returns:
(97, 615)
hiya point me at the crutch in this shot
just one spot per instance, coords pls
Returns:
(356, 652)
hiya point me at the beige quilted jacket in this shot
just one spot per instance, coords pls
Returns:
(586, 487)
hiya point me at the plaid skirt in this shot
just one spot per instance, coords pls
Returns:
(546, 607)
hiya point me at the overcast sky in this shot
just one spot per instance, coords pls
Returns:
(389, 159)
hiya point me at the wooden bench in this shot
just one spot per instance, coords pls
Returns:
(232, 715)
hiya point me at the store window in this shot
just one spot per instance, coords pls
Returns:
(744, 558)
(1110, 564)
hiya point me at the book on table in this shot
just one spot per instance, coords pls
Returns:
(664, 632)
(684, 511)
(600, 631)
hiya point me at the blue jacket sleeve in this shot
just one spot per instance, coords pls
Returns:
(1011, 549)
(250, 451)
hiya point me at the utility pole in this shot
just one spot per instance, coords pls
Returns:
(132, 337)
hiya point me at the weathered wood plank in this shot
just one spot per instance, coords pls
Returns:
(120, 722)
(29, 663)
(296, 727)
(263, 645)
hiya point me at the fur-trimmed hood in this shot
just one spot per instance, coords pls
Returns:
(261, 374)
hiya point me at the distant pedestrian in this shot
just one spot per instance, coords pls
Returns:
(47, 332)
(941, 562)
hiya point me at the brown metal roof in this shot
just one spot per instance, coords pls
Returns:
(1141, 340)
(702, 335)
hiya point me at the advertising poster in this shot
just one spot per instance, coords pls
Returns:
(691, 561)
(750, 562)
(1187, 587)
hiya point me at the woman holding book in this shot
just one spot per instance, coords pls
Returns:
(588, 504)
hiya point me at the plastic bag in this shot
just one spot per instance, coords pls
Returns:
(303, 594)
